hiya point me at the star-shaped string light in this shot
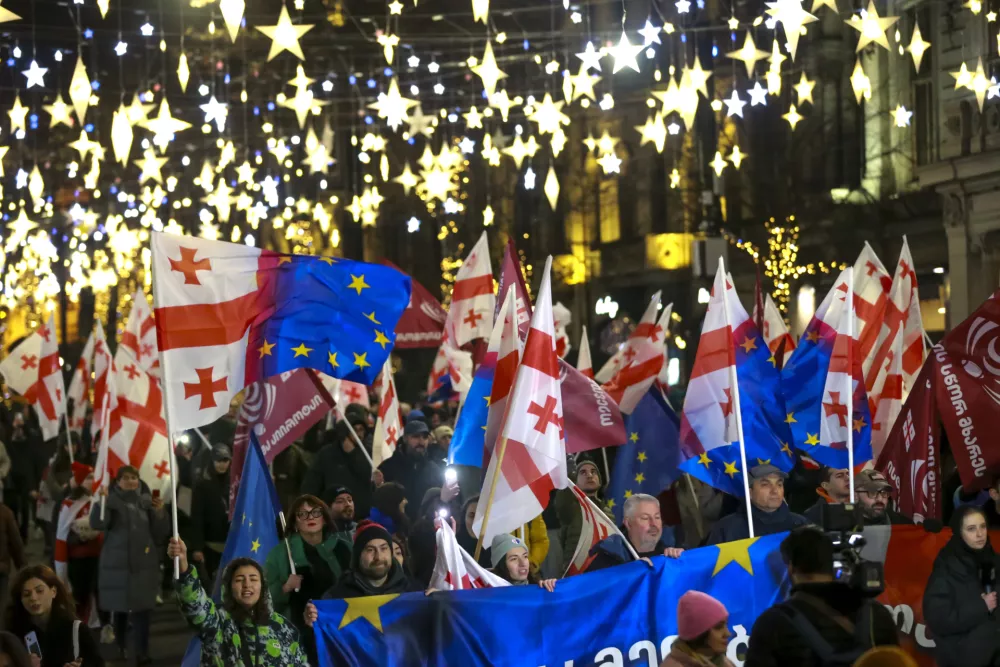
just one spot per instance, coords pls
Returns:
(583, 84)
(480, 10)
(737, 156)
(900, 116)
(793, 116)
(650, 35)
(7, 15)
(758, 94)
(610, 163)
(590, 57)
(521, 149)
(860, 82)
(793, 18)
(804, 89)
(734, 105)
(215, 112)
(488, 71)
(151, 167)
(407, 179)
(35, 75)
(232, 14)
(18, 113)
(392, 106)
(749, 54)
(285, 35)
(654, 131)
(79, 89)
(872, 27)
(164, 126)
(624, 54)
(548, 115)
(917, 47)
(718, 164)
(697, 77)
(551, 187)
(59, 112)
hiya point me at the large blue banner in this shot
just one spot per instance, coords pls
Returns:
(619, 616)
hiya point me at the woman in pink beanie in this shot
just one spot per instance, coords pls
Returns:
(702, 633)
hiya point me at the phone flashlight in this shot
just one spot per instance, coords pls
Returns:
(443, 513)
(450, 475)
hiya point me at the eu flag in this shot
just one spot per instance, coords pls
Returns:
(648, 461)
(470, 429)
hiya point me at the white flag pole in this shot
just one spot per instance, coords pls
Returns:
(850, 378)
(166, 415)
(734, 383)
(357, 440)
(105, 448)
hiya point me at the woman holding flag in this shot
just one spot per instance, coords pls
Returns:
(244, 631)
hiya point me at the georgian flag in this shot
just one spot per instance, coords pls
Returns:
(642, 360)
(452, 368)
(531, 451)
(505, 342)
(33, 370)
(596, 526)
(140, 334)
(470, 316)
(871, 295)
(775, 331)
(79, 386)
(583, 362)
(455, 569)
(389, 425)
(104, 382)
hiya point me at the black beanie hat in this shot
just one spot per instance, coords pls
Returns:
(365, 533)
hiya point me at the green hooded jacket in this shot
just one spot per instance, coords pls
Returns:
(335, 549)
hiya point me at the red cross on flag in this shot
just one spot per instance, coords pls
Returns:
(595, 527)
(583, 362)
(774, 331)
(138, 430)
(140, 334)
(871, 295)
(32, 369)
(104, 381)
(455, 569)
(451, 365)
(389, 425)
(531, 452)
(899, 353)
(664, 323)
(562, 318)
(505, 342)
(642, 360)
(472, 298)
(79, 386)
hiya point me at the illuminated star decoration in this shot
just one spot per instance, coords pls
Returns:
(583, 84)
(793, 18)
(872, 27)
(17, 114)
(407, 179)
(548, 115)
(832, 4)
(654, 132)
(7, 15)
(121, 135)
(392, 106)
(232, 14)
(480, 10)
(793, 116)
(151, 167)
(748, 53)
(650, 34)
(216, 113)
(900, 116)
(734, 105)
(183, 71)
(591, 58)
(35, 75)
(804, 89)
(488, 71)
(59, 112)
(79, 89)
(164, 126)
(860, 82)
(758, 94)
(718, 164)
(917, 47)
(624, 54)
(610, 163)
(285, 35)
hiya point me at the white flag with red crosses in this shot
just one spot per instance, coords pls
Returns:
(531, 450)
(455, 569)
(104, 381)
(871, 295)
(389, 426)
(140, 334)
(583, 362)
(473, 299)
(80, 384)
(642, 359)
(32, 369)
(138, 430)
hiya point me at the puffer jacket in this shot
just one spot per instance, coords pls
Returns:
(273, 645)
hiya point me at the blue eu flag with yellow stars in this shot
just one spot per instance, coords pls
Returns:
(648, 461)
(625, 615)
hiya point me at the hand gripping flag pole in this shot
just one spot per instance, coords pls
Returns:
(357, 440)
(734, 383)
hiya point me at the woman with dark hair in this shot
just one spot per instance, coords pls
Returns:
(389, 508)
(320, 555)
(401, 552)
(466, 539)
(134, 523)
(12, 651)
(244, 631)
(959, 613)
(40, 612)
(702, 633)
(510, 563)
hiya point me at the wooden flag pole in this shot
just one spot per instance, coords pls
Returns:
(489, 501)
(734, 383)
(357, 440)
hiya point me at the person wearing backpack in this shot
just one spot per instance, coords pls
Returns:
(824, 622)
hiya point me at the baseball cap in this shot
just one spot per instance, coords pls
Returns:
(759, 472)
(871, 481)
(416, 427)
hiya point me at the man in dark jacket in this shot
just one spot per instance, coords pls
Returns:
(834, 489)
(25, 470)
(410, 466)
(342, 510)
(570, 513)
(374, 570)
(847, 620)
(643, 527)
(210, 513)
(770, 513)
(873, 492)
(342, 463)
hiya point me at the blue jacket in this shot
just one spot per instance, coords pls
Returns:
(734, 527)
(612, 550)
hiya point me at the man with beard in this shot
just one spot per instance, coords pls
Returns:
(374, 570)
(873, 493)
(644, 530)
(410, 466)
(342, 510)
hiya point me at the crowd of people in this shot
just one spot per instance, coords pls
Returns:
(353, 531)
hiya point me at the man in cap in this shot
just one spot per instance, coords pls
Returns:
(410, 466)
(341, 502)
(569, 512)
(770, 513)
(835, 489)
(873, 492)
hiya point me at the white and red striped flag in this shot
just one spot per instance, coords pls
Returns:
(389, 425)
(533, 459)
(583, 362)
(140, 334)
(138, 430)
(33, 370)
(79, 386)
(775, 332)
(473, 301)
(642, 360)
(455, 569)
(104, 382)
(452, 371)
(596, 527)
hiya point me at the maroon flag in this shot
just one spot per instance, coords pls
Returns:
(422, 323)
(911, 458)
(511, 274)
(591, 417)
(280, 410)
